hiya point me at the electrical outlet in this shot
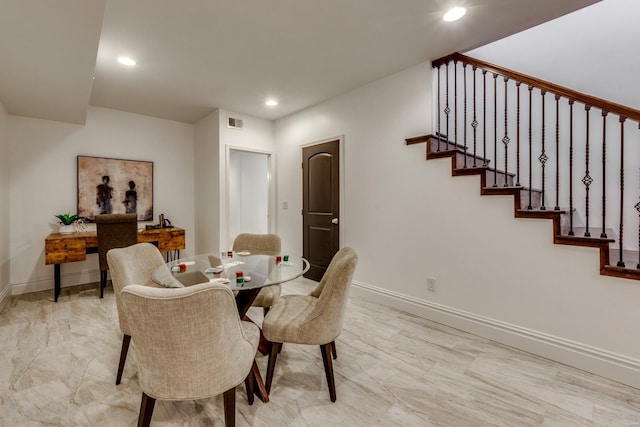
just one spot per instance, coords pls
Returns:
(431, 284)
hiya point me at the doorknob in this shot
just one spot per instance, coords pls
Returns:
(334, 221)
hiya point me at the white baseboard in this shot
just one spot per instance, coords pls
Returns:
(595, 360)
(46, 284)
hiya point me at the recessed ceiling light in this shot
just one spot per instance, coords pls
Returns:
(124, 60)
(271, 103)
(454, 14)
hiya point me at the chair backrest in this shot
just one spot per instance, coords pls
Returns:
(324, 322)
(257, 243)
(189, 342)
(132, 265)
(115, 231)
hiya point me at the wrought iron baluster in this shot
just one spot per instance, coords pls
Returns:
(439, 90)
(518, 135)
(571, 232)
(637, 206)
(464, 76)
(495, 129)
(557, 206)
(587, 180)
(484, 119)
(529, 207)
(620, 238)
(455, 104)
(506, 139)
(604, 169)
(474, 123)
(543, 156)
(447, 110)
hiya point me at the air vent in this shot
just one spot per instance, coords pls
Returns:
(232, 122)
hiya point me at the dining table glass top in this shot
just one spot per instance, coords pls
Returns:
(258, 270)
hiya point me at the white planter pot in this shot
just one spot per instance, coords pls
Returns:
(66, 229)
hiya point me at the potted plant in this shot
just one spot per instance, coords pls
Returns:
(66, 223)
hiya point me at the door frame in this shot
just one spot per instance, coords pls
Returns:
(225, 241)
(341, 184)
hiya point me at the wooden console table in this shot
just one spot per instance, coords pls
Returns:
(63, 248)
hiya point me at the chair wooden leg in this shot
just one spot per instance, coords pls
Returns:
(126, 339)
(273, 356)
(328, 370)
(146, 410)
(103, 282)
(249, 383)
(333, 350)
(230, 407)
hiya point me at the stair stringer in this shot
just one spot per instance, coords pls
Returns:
(455, 152)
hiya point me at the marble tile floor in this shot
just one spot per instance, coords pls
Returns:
(58, 363)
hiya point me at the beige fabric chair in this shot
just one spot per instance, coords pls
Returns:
(114, 231)
(132, 265)
(268, 244)
(314, 319)
(190, 344)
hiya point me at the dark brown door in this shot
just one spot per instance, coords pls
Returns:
(321, 205)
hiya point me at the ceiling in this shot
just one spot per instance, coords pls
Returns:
(59, 57)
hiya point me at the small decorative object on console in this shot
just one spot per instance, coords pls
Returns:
(66, 223)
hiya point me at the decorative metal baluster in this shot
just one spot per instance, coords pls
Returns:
(484, 119)
(474, 123)
(464, 76)
(506, 139)
(495, 129)
(557, 206)
(518, 136)
(587, 180)
(571, 232)
(622, 120)
(543, 156)
(604, 167)
(530, 150)
(439, 90)
(447, 110)
(455, 104)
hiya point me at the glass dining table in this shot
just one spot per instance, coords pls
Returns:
(257, 270)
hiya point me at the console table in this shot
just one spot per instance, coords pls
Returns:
(63, 248)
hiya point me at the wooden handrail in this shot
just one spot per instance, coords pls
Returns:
(603, 104)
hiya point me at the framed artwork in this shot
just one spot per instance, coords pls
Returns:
(114, 186)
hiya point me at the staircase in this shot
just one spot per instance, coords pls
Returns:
(579, 165)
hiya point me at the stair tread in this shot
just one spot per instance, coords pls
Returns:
(629, 258)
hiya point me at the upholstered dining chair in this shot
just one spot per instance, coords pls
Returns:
(114, 231)
(314, 319)
(268, 244)
(203, 350)
(132, 265)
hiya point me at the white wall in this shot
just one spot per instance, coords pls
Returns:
(207, 183)
(5, 222)
(212, 141)
(43, 182)
(408, 219)
(257, 135)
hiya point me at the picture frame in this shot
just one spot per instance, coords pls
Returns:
(107, 185)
